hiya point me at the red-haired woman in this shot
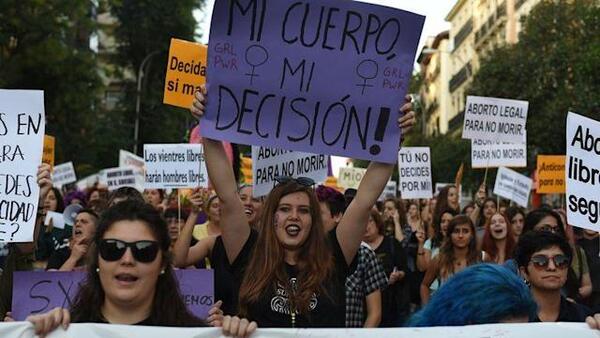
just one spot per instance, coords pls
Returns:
(498, 240)
(458, 251)
(292, 273)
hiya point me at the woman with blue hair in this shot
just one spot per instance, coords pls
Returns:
(480, 294)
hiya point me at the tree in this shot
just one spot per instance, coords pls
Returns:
(45, 45)
(554, 66)
(145, 27)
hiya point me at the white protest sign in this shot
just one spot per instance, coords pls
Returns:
(414, 172)
(489, 118)
(63, 174)
(547, 330)
(115, 178)
(583, 171)
(58, 219)
(494, 154)
(389, 191)
(22, 130)
(349, 177)
(127, 159)
(170, 166)
(87, 182)
(268, 163)
(513, 186)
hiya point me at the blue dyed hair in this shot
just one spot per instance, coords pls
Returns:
(480, 294)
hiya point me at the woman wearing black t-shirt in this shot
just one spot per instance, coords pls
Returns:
(293, 274)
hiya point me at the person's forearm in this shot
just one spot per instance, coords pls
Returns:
(70, 264)
(373, 308)
(182, 245)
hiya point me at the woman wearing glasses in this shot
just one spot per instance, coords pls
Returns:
(292, 274)
(130, 279)
(543, 259)
(579, 282)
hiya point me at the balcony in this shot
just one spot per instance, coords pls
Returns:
(456, 122)
(491, 23)
(463, 33)
(459, 78)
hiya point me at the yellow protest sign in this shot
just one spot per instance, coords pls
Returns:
(48, 153)
(551, 174)
(186, 72)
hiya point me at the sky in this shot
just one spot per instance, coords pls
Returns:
(435, 12)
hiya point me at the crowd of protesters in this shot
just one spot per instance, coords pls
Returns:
(308, 255)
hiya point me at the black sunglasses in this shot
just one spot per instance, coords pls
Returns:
(303, 181)
(113, 249)
(542, 262)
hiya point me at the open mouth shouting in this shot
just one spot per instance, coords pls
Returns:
(293, 230)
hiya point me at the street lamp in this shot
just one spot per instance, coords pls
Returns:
(138, 99)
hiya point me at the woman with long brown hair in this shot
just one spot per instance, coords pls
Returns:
(292, 273)
(458, 251)
(498, 240)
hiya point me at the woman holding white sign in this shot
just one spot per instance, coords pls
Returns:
(293, 274)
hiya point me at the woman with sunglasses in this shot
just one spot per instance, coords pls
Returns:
(578, 285)
(292, 273)
(129, 278)
(543, 259)
(458, 251)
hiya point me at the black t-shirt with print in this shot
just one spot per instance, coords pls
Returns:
(326, 310)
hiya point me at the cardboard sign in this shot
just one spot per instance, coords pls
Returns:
(115, 178)
(414, 169)
(39, 292)
(186, 72)
(513, 186)
(284, 75)
(349, 178)
(128, 159)
(63, 174)
(551, 174)
(48, 152)
(269, 163)
(493, 119)
(493, 154)
(174, 166)
(583, 171)
(57, 218)
(389, 191)
(21, 141)
(87, 182)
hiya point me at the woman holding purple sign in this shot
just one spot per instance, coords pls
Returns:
(130, 278)
(292, 273)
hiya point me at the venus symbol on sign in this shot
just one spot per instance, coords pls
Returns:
(367, 70)
(256, 55)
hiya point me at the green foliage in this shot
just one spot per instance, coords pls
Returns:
(45, 45)
(147, 26)
(554, 66)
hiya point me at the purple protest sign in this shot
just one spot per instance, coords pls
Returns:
(323, 76)
(39, 291)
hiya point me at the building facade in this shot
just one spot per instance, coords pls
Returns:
(477, 27)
